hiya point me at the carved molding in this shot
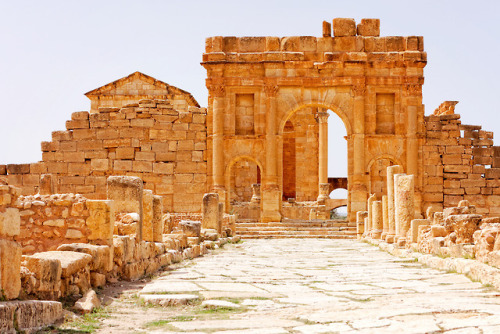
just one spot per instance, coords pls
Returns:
(217, 90)
(359, 90)
(323, 117)
(413, 89)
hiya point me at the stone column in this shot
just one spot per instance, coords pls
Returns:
(385, 218)
(270, 191)
(377, 220)
(391, 171)
(126, 194)
(255, 193)
(404, 204)
(218, 162)
(210, 212)
(360, 223)
(323, 155)
(368, 227)
(147, 217)
(157, 219)
(100, 221)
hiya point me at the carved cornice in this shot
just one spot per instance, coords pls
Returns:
(217, 90)
(412, 89)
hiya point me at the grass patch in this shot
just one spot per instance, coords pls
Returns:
(88, 323)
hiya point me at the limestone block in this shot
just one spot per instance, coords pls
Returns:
(158, 225)
(438, 231)
(147, 218)
(126, 193)
(168, 223)
(97, 280)
(369, 27)
(88, 302)
(391, 171)
(10, 269)
(100, 221)
(46, 187)
(29, 316)
(47, 273)
(385, 217)
(327, 29)
(210, 210)
(190, 228)
(344, 27)
(102, 256)
(10, 222)
(463, 226)
(415, 228)
(404, 203)
(71, 262)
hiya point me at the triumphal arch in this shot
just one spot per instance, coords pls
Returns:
(269, 99)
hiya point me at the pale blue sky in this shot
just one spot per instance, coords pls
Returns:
(52, 52)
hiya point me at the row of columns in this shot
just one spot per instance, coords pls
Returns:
(389, 218)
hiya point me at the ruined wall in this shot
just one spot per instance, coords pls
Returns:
(244, 173)
(460, 163)
(47, 221)
(153, 140)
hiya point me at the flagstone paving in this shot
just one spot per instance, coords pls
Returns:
(307, 286)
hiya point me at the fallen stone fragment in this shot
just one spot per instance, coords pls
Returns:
(88, 302)
(215, 304)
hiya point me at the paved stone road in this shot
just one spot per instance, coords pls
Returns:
(312, 286)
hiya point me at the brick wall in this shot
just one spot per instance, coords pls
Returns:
(164, 146)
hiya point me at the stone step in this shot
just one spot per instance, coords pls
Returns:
(306, 232)
(297, 224)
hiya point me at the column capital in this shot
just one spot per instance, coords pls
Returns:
(411, 89)
(323, 116)
(271, 90)
(217, 90)
(358, 89)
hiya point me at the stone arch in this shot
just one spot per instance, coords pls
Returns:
(377, 169)
(343, 116)
(229, 175)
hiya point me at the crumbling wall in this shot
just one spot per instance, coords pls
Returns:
(460, 163)
(47, 221)
(153, 140)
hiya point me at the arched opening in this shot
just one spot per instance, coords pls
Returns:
(339, 213)
(289, 162)
(378, 175)
(337, 156)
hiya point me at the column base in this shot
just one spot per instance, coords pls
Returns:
(270, 200)
(383, 236)
(390, 238)
(401, 242)
(376, 234)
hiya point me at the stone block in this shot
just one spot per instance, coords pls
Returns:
(10, 222)
(210, 211)
(344, 27)
(190, 228)
(10, 269)
(29, 316)
(415, 226)
(100, 221)
(369, 27)
(71, 262)
(47, 272)
(102, 256)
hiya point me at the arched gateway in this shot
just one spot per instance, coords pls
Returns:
(258, 84)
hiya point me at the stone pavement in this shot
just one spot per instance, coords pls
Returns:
(310, 286)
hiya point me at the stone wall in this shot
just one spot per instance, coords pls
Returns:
(460, 163)
(47, 221)
(164, 146)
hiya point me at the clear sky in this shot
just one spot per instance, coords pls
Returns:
(52, 52)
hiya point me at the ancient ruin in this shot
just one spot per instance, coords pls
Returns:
(147, 177)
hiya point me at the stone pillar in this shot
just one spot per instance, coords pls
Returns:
(10, 250)
(323, 156)
(126, 194)
(210, 212)
(46, 187)
(360, 223)
(147, 216)
(270, 191)
(218, 162)
(391, 171)
(404, 204)
(255, 193)
(157, 219)
(368, 227)
(100, 221)
(385, 218)
(377, 220)
(220, 220)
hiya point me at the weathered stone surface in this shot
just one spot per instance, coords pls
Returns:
(190, 228)
(404, 203)
(210, 209)
(88, 302)
(147, 216)
(463, 226)
(158, 225)
(29, 316)
(100, 221)
(10, 222)
(102, 256)
(10, 269)
(344, 27)
(71, 262)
